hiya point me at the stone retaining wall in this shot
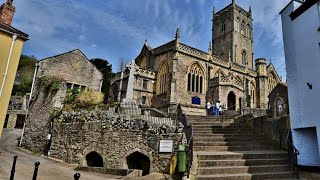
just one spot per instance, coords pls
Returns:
(113, 139)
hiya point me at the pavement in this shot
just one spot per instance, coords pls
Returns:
(48, 169)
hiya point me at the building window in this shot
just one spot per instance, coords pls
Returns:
(144, 100)
(162, 77)
(83, 88)
(76, 86)
(223, 28)
(248, 31)
(69, 86)
(195, 79)
(145, 84)
(244, 57)
(238, 24)
(243, 27)
(235, 53)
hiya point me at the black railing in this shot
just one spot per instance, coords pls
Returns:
(189, 148)
(35, 172)
(188, 130)
(293, 155)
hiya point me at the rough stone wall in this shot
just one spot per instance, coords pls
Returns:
(113, 139)
(73, 67)
(38, 120)
(279, 92)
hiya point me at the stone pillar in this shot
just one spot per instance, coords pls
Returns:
(262, 83)
(129, 94)
(12, 120)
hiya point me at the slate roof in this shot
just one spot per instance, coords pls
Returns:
(6, 28)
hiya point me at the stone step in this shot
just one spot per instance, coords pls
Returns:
(233, 148)
(231, 134)
(242, 169)
(206, 155)
(223, 131)
(208, 126)
(226, 139)
(246, 176)
(243, 162)
(212, 121)
(229, 143)
(206, 123)
(230, 128)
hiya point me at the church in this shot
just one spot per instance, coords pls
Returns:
(176, 73)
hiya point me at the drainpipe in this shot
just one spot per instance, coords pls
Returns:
(14, 37)
(100, 87)
(28, 104)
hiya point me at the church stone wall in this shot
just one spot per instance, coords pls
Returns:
(162, 101)
(182, 95)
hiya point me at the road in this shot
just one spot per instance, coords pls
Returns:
(48, 170)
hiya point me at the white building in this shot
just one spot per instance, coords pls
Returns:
(301, 36)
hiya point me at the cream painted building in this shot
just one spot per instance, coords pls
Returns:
(11, 43)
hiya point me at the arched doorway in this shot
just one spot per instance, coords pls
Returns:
(231, 101)
(279, 107)
(94, 159)
(140, 161)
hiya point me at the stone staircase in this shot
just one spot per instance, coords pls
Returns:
(231, 151)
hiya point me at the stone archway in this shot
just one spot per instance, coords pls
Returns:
(278, 108)
(94, 159)
(140, 161)
(231, 101)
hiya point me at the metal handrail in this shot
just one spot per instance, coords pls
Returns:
(293, 154)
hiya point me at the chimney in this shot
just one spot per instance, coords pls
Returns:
(7, 12)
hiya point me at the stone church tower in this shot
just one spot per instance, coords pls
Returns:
(232, 36)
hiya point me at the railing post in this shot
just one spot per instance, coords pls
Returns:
(13, 170)
(254, 125)
(261, 124)
(280, 139)
(35, 173)
(76, 176)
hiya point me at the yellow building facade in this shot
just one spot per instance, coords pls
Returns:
(11, 43)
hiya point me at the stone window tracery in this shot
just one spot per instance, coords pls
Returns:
(237, 24)
(272, 82)
(162, 78)
(195, 79)
(243, 27)
(244, 57)
(248, 31)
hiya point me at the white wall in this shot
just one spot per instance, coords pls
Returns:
(302, 52)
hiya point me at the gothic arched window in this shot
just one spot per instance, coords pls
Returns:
(248, 31)
(272, 82)
(238, 24)
(243, 27)
(244, 57)
(162, 78)
(195, 79)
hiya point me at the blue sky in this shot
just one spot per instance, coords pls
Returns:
(116, 29)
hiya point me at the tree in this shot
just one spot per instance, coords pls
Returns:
(24, 75)
(106, 69)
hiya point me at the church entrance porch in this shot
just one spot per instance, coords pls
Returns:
(231, 101)
(140, 161)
